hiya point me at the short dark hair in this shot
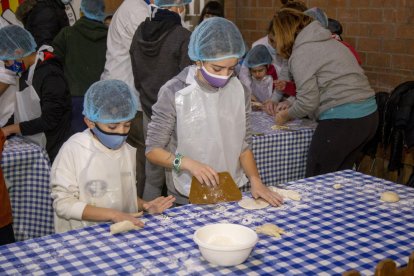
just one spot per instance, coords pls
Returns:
(212, 8)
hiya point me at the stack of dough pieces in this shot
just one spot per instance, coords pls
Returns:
(270, 230)
(290, 194)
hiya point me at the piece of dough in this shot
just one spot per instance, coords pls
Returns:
(123, 226)
(290, 194)
(390, 197)
(337, 186)
(270, 230)
(253, 204)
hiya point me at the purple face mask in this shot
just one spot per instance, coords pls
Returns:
(213, 79)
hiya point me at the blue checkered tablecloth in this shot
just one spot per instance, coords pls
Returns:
(26, 168)
(280, 154)
(328, 232)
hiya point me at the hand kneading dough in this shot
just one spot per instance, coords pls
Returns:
(123, 226)
(270, 230)
(253, 204)
(290, 194)
(390, 197)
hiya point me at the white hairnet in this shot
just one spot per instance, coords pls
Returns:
(110, 101)
(93, 9)
(171, 3)
(258, 55)
(318, 14)
(15, 43)
(216, 38)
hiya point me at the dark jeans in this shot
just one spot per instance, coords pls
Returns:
(136, 139)
(7, 235)
(337, 143)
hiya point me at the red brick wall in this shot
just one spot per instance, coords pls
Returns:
(382, 31)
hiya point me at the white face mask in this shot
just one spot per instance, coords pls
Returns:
(65, 2)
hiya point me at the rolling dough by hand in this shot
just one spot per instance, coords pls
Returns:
(390, 197)
(123, 226)
(290, 194)
(270, 230)
(253, 204)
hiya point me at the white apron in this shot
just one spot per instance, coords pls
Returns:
(262, 89)
(211, 127)
(8, 98)
(28, 102)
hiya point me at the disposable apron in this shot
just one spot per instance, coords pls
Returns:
(262, 89)
(28, 102)
(108, 181)
(211, 128)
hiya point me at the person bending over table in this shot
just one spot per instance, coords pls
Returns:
(330, 87)
(200, 123)
(93, 176)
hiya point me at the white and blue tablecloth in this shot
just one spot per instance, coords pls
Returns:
(26, 168)
(280, 154)
(328, 232)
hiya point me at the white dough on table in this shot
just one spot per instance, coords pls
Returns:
(123, 226)
(390, 197)
(270, 230)
(253, 204)
(290, 194)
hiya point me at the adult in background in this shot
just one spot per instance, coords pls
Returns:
(331, 87)
(211, 9)
(118, 66)
(43, 18)
(82, 48)
(158, 53)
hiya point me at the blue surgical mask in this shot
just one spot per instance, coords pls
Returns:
(110, 140)
(17, 67)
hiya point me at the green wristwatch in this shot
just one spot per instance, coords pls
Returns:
(177, 162)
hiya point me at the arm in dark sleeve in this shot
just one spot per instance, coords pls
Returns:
(59, 45)
(53, 103)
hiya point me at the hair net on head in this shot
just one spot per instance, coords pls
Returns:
(93, 9)
(216, 38)
(171, 3)
(318, 14)
(109, 101)
(257, 56)
(15, 43)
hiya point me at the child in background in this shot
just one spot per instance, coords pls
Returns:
(93, 176)
(263, 76)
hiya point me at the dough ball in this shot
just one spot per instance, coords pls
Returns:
(123, 226)
(253, 204)
(337, 186)
(270, 230)
(390, 197)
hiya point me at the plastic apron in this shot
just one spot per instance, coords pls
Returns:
(108, 181)
(28, 102)
(211, 127)
(8, 98)
(262, 89)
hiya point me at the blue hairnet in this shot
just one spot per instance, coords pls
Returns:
(318, 14)
(216, 38)
(257, 56)
(171, 3)
(93, 9)
(15, 43)
(110, 101)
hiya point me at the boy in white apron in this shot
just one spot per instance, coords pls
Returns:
(200, 123)
(93, 176)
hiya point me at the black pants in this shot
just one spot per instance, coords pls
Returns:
(6, 235)
(337, 143)
(136, 139)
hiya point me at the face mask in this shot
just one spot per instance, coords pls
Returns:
(65, 2)
(110, 140)
(17, 67)
(213, 79)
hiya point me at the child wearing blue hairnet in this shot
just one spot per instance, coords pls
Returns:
(200, 123)
(93, 176)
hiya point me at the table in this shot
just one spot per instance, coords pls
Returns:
(329, 231)
(26, 168)
(280, 154)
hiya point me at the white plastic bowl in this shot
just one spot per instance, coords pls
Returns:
(225, 244)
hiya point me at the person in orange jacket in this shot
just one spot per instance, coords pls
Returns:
(6, 228)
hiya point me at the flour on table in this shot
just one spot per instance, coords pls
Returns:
(253, 204)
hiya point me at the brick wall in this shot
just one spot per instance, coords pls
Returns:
(382, 31)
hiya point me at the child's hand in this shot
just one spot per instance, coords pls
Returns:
(282, 106)
(282, 117)
(259, 190)
(270, 107)
(280, 84)
(118, 216)
(159, 205)
(204, 173)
